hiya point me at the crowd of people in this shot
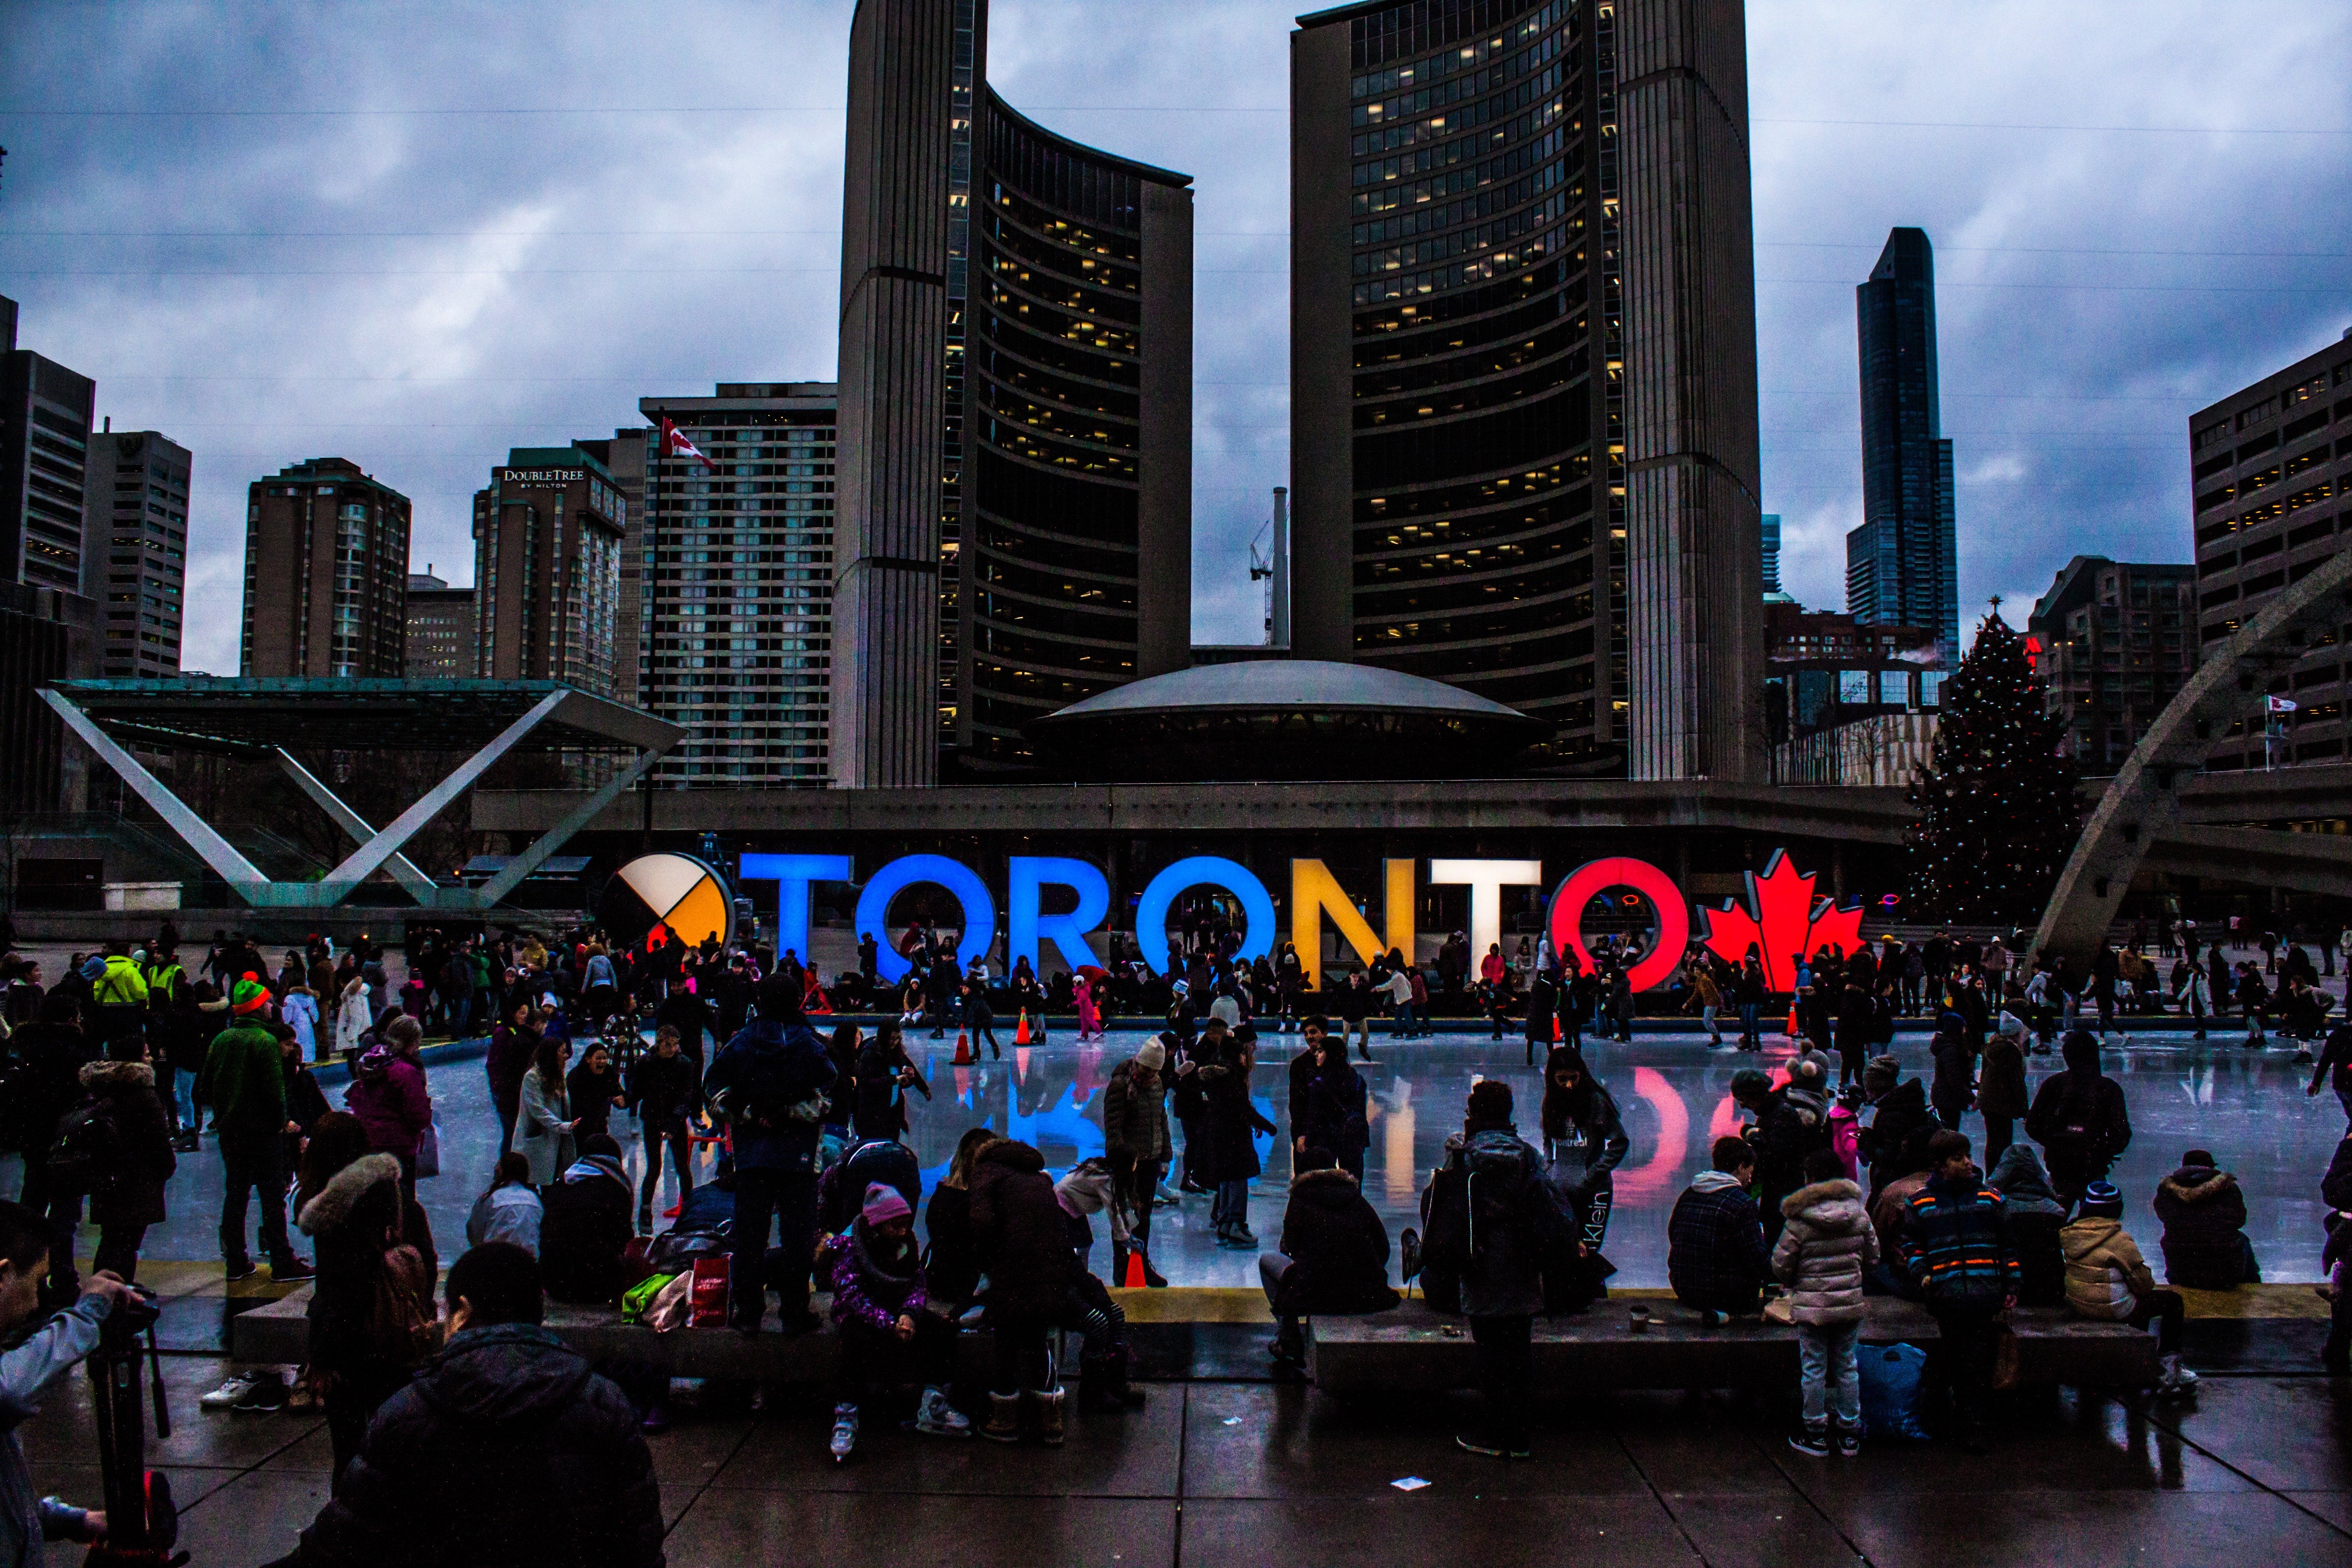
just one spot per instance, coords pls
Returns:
(1847, 1180)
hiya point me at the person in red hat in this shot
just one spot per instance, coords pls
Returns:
(244, 1081)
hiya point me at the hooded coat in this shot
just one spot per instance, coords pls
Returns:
(1019, 1231)
(583, 1228)
(507, 1448)
(1504, 1277)
(2001, 1086)
(1338, 1247)
(1135, 1115)
(2106, 1276)
(1715, 1245)
(132, 1194)
(1897, 1130)
(2035, 1218)
(388, 1096)
(2204, 1216)
(1230, 1153)
(2078, 1116)
(351, 1222)
(1825, 1245)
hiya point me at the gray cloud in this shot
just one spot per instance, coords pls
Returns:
(421, 289)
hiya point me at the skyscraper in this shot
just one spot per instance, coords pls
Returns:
(547, 569)
(736, 592)
(1523, 366)
(624, 457)
(136, 500)
(1773, 594)
(1016, 346)
(1902, 566)
(326, 574)
(44, 420)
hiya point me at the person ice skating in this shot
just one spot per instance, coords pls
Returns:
(2080, 1119)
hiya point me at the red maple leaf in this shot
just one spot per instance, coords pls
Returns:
(1782, 921)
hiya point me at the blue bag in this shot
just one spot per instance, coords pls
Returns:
(1891, 1379)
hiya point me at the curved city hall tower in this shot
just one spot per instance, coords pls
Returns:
(1523, 366)
(1015, 439)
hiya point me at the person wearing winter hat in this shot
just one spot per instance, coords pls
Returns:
(1899, 1126)
(244, 1080)
(2108, 1280)
(880, 1302)
(1136, 1143)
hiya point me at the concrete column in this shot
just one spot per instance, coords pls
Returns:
(1164, 462)
(885, 634)
(1694, 550)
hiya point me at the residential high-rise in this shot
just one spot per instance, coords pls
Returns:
(1017, 343)
(136, 499)
(624, 457)
(2117, 640)
(45, 421)
(1523, 366)
(547, 569)
(2270, 491)
(441, 628)
(49, 624)
(735, 618)
(1902, 564)
(326, 574)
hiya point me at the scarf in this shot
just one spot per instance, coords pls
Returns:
(887, 1283)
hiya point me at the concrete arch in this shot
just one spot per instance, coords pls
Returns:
(2144, 801)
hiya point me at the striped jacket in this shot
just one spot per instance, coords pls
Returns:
(1956, 1244)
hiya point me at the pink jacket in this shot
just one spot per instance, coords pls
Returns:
(394, 1106)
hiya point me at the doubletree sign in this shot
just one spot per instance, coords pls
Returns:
(1779, 919)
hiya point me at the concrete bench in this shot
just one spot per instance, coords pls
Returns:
(1414, 1349)
(279, 1332)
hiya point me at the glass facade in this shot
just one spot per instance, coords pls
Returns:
(1903, 563)
(736, 638)
(1052, 407)
(1489, 538)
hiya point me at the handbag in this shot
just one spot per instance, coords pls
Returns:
(1781, 1310)
(2006, 1372)
(401, 1326)
(428, 1149)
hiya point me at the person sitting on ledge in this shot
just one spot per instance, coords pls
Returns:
(2108, 1280)
(1334, 1260)
(584, 1226)
(2035, 1217)
(1715, 1239)
(2204, 1216)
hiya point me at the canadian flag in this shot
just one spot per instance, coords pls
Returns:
(674, 444)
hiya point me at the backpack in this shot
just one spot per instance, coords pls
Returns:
(86, 1155)
(784, 1085)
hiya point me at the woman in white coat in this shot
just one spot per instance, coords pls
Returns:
(352, 1015)
(544, 1122)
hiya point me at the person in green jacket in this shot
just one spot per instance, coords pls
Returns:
(244, 1080)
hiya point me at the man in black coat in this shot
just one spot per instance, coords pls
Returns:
(507, 1448)
(1335, 1255)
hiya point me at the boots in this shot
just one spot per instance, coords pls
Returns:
(1118, 1265)
(2173, 1378)
(1152, 1278)
(1049, 1418)
(1122, 1361)
(1003, 1423)
(1095, 1396)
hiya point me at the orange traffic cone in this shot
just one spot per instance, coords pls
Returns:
(1134, 1281)
(1020, 1030)
(963, 1050)
(1555, 1029)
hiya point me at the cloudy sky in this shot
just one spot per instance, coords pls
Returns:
(416, 235)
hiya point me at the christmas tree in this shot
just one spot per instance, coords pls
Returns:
(1998, 813)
